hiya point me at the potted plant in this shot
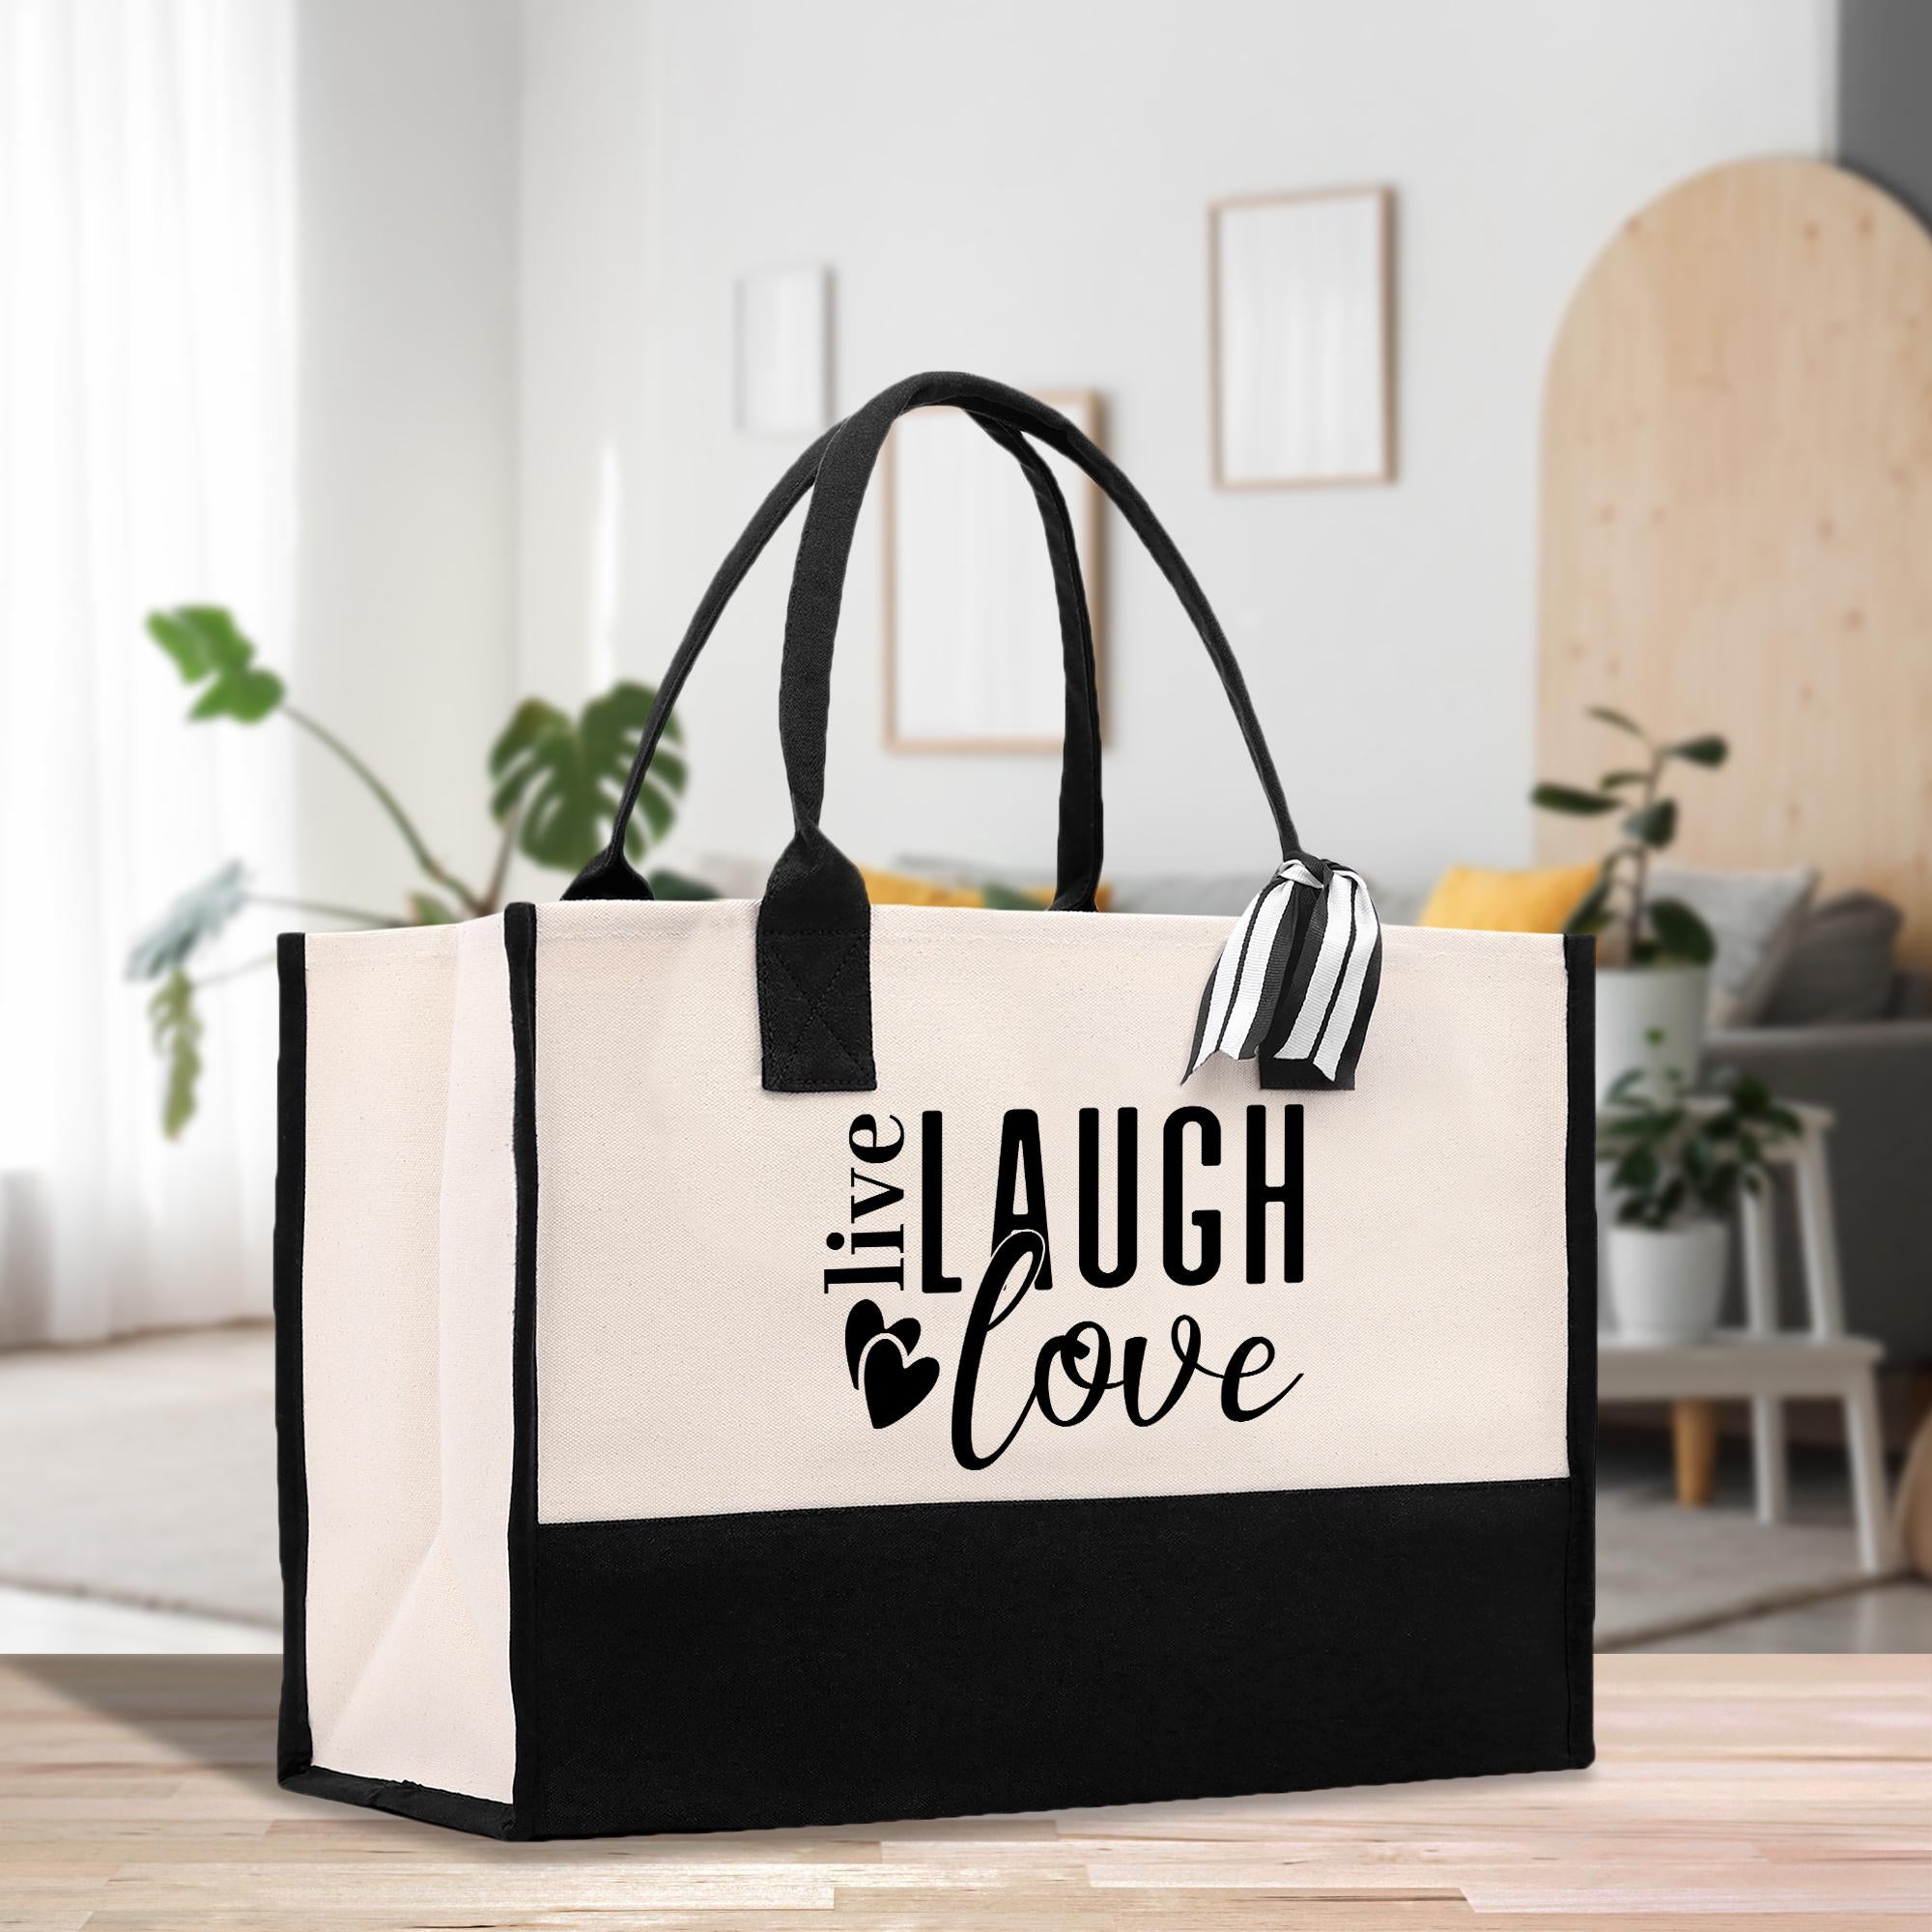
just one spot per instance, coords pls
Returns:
(1653, 954)
(1677, 1167)
(555, 783)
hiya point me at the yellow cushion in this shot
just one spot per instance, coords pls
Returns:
(1532, 901)
(900, 888)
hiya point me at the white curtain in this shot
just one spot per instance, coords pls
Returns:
(146, 459)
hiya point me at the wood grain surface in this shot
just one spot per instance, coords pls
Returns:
(135, 1792)
(1737, 450)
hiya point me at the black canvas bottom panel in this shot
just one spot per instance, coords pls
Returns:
(838, 1665)
(454, 1809)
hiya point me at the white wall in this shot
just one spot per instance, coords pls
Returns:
(1020, 188)
(405, 552)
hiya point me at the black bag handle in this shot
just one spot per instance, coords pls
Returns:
(811, 618)
(814, 922)
(611, 875)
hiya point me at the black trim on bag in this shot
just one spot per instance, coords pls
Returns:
(520, 940)
(424, 1802)
(296, 1769)
(1579, 1186)
(294, 1745)
(810, 1667)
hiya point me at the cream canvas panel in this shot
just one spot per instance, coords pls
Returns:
(409, 1286)
(691, 1359)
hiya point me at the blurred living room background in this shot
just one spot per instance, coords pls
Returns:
(1543, 395)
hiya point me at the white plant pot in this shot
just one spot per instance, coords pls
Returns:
(1633, 1002)
(1666, 1284)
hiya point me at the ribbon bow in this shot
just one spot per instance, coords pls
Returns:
(1297, 982)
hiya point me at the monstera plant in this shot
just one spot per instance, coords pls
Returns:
(554, 784)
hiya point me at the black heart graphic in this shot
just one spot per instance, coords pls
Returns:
(864, 1323)
(894, 1386)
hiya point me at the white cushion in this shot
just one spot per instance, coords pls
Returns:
(1755, 918)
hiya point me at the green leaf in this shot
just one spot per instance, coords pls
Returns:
(1709, 750)
(202, 639)
(666, 884)
(194, 919)
(248, 696)
(1568, 798)
(518, 757)
(565, 774)
(1592, 910)
(1655, 825)
(1605, 716)
(426, 909)
(658, 807)
(1637, 1170)
(175, 1028)
(1611, 781)
(209, 650)
(1680, 934)
(183, 642)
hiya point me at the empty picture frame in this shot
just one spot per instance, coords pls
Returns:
(971, 624)
(784, 350)
(1302, 341)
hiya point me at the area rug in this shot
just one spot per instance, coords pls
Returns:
(144, 1472)
(1665, 1570)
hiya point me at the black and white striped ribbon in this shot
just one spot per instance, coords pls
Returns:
(1297, 982)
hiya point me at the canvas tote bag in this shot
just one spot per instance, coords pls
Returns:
(761, 1364)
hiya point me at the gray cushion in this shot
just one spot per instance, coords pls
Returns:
(1755, 918)
(1202, 894)
(1841, 967)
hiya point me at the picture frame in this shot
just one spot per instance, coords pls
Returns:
(972, 647)
(782, 349)
(1301, 338)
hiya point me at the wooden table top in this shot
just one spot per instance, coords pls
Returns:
(135, 1792)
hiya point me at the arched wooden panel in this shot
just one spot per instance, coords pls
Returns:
(1737, 524)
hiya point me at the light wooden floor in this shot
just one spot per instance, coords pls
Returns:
(134, 1793)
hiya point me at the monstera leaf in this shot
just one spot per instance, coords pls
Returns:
(177, 1031)
(210, 651)
(189, 923)
(564, 775)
